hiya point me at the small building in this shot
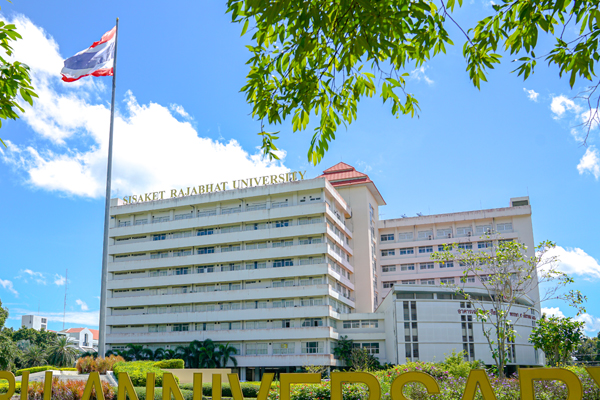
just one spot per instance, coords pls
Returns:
(85, 339)
(35, 322)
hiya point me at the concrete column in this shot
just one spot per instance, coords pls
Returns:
(172, 215)
(219, 208)
(131, 219)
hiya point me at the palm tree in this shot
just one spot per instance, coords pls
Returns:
(208, 355)
(62, 353)
(169, 354)
(34, 356)
(187, 354)
(159, 354)
(225, 354)
(134, 351)
(147, 354)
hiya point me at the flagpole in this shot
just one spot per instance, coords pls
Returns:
(102, 322)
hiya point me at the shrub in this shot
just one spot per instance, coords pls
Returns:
(33, 370)
(137, 371)
(170, 364)
(249, 389)
(67, 390)
(85, 365)
(68, 369)
(4, 387)
(141, 394)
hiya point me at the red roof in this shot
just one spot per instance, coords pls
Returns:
(95, 332)
(342, 174)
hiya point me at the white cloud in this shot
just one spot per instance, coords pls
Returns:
(153, 150)
(592, 324)
(575, 261)
(531, 94)
(419, 74)
(36, 276)
(8, 285)
(81, 303)
(552, 312)
(179, 110)
(561, 104)
(590, 163)
(59, 280)
(87, 319)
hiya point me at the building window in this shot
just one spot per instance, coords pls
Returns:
(483, 229)
(426, 266)
(160, 236)
(372, 348)
(484, 245)
(411, 336)
(405, 236)
(425, 235)
(353, 324)
(408, 250)
(409, 282)
(283, 263)
(206, 269)
(465, 246)
(312, 348)
(444, 233)
(387, 285)
(180, 328)
(206, 250)
(505, 227)
(427, 281)
(284, 348)
(387, 237)
(385, 253)
(255, 349)
(447, 281)
(407, 267)
(388, 268)
(287, 323)
(446, 264)
(464, 231)
(205, 232)
(425, 249)
(312, 322)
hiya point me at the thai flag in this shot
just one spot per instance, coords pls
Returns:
(97, 60)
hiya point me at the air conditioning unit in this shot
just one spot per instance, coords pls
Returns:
(430, 237)
(469, 233)
(449, 235)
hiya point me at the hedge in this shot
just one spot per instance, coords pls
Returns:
(137, 371)
(170, 364)
(249, 389)
(33, 370)
(4, 387)
(141, 394)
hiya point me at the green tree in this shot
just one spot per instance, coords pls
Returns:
(41, 338)
(509, 277)
(8, 350)
(343, 349)
(208, 354)
(589, 351)
(558, 338)
(3, 315)
(15, 81)
(34, 356)
(321, 57)
(189, 354)
(225, 354)
(361, 360)
(62, 353)
(136, 352)
(159, 354)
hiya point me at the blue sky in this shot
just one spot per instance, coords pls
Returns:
(182, 120)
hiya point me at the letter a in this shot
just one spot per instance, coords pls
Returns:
(478, 377)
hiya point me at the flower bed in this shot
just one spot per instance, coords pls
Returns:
(67, 390)
(85, 365)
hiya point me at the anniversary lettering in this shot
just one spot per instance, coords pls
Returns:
(215, 187)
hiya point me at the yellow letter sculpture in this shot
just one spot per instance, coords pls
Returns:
(170, 386)
(92, 382)
(7, 375)
(415, 376)
(288, 379)
(126, 387)
(338, 378)
(478, 377)
(528, 375)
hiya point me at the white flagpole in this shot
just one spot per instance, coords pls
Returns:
(102, 323)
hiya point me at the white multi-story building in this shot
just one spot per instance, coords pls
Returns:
(34, 322)
(281, 271)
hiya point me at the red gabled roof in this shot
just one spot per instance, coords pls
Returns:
(342, 174)
(95, 332)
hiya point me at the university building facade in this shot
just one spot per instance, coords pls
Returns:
(281, 271)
